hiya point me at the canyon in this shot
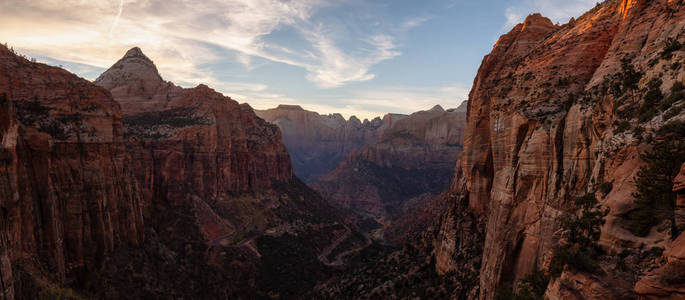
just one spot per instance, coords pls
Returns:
(386, 170)
(318, 143)
(561, 177)
(135, 174)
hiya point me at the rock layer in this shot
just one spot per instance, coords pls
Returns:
(545, 127)
(173, 184)
(196, 139)
(68, 194)
(318, 143)
(411, 162)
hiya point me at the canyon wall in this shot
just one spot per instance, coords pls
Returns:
(204, 143)
(318, 143)
(410, 163)
(68, 194)
(556, 113)
(134, 175)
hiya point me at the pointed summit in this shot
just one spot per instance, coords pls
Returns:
(463, 107)
(134, 52)
(134, 69)
(437, 108)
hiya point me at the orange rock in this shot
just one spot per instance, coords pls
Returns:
(532, 144)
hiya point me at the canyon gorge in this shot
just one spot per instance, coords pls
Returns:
(561, 177)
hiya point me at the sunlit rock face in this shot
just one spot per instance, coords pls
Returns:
(543, 130)
(318, 143)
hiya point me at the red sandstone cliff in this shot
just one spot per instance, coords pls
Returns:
(197, 141)
(185, 182)
(318, 143)
(67, 194)
(554, 113)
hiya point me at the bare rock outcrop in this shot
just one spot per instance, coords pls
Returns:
(549, 120)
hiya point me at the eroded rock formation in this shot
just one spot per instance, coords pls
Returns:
(99, 193)
(558, 112)
(411, 162)
(318, 143)
(68, 192)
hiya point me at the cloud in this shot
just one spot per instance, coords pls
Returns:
(183, 35)
(559, 11)
(191, 41)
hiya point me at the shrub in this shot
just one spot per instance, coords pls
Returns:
(621, 126)
(175, 117)
(672, 112)
(629, 76)
(530, 287)
(582, 232)
(671, 46)
(673, 273)
(605, 188)
(651, 100)
(654, 198)
(675, 128)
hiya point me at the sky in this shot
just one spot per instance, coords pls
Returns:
(354, 57)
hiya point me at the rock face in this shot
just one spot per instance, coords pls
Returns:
(668, 281)
(205, 142)
(549, 120)
(157, 180)
(68, 195)
(411, 162)
(318, 143)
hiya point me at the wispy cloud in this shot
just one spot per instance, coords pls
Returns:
(559, 11)
(184, 35)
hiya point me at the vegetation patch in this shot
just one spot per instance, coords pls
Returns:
(34, 114)
(605, 188)
(530, 287)
(671, 46)
(581, 232)
(626, 80)
(151, 124)
(654, 198)
(673, 273)
(175, 117)
(651, 102)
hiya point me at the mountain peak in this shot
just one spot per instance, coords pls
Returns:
(134, 52)
(289, 107)
(463, 107)
(537, 20)
(437, 108)
(134, 68)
